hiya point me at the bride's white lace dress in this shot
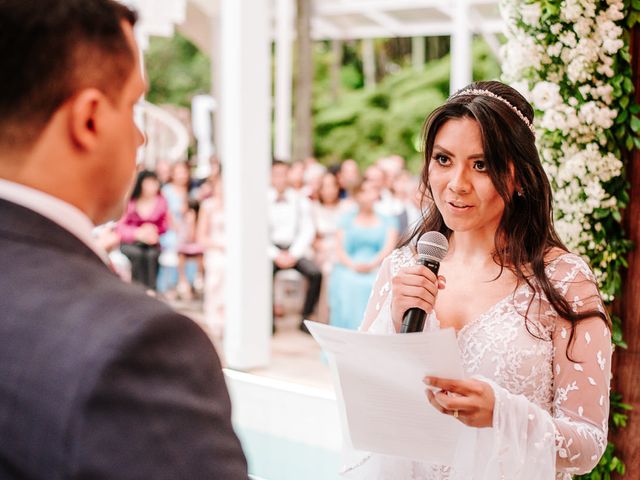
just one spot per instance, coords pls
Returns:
(550, 416)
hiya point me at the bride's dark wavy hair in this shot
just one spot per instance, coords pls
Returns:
(526, 232)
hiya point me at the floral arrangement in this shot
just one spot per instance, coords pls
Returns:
(571, 60)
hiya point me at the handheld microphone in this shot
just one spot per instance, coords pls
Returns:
(432, 248)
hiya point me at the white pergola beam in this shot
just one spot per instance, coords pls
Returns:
(431, 29)
(324, 8)
(360, 6)
(386, 21)
(322, 29)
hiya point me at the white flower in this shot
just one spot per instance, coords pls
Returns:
(555, 50)
(556, 28)
(612, 46)
(614, 12)
(569, 39)
(522, 87)
(577, 70)
(546, 95)
(583, 26)
(571, 12)
(531, 13)
(577, 52)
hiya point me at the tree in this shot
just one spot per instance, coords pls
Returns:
(628, 361)
(303, 128)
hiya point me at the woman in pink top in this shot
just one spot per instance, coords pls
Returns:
(144, 221)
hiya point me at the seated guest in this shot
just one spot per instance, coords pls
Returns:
(363, 240)
(326, 214)
(180, 231)
(291, 233)
(349, 178)
(387, 204)
(144, 221)
(210, 234)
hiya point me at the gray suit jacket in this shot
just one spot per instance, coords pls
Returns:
(97, 380)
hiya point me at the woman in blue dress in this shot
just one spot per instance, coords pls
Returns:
(364, 238)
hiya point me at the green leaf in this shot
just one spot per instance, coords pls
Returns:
(600, 213)
(629, 143)
(635, 124)
(622, 116)
(624, 101)
(624, 53)
(628, 85)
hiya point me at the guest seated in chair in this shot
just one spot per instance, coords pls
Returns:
(291, 233)
(140, 228)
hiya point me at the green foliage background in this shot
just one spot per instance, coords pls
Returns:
(176, 71)
(366, 124)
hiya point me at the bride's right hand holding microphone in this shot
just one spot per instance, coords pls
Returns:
(414, 287)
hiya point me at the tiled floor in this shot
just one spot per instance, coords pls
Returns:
(296, 357)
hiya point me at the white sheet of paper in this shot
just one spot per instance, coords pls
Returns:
(379, 389)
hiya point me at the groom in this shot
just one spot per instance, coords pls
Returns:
(97, 380)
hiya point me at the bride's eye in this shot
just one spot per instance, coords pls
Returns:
(480, 166)
(441, 159)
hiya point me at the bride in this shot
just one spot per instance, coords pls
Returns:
(532, 330)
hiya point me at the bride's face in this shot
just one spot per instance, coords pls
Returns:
(460, 183)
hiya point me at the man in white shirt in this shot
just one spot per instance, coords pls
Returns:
(291, 233)
(387, 204)
(97, 379)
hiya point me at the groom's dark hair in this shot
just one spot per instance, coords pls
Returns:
(51, 49)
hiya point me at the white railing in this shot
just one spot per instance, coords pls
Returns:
(167, 138)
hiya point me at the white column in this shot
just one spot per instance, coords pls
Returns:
(369, 62)
(285, 10)
(216, 81)
(245, 101)
(418, 54)
(461, 68)
(202, 111)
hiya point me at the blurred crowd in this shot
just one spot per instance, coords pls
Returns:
(330, 228)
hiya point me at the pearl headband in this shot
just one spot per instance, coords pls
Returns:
(487, 93)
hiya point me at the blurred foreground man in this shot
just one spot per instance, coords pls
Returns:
(97, 380)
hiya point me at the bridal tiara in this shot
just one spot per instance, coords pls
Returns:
(487, 93)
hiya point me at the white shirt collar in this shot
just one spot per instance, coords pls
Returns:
(287, 195)
(64, 214)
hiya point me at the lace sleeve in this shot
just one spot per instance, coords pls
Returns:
(581, 379)
(574, 436)
(377, 316)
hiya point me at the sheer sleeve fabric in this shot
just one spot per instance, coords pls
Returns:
(581, 378)
(573, 437)
(377, 316)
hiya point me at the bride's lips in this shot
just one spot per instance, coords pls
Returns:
(459, 206)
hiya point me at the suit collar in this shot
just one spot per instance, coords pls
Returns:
(26, 226)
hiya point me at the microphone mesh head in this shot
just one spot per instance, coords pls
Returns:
(433, 245)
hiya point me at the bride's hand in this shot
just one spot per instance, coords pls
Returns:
(473, 400)
(413, 287)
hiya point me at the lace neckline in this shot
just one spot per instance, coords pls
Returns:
(511, 295)
(478, 318)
